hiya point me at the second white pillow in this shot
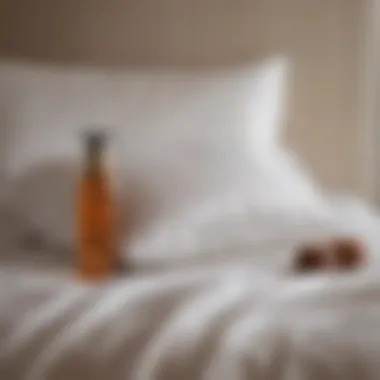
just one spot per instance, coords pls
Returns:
(180, 137)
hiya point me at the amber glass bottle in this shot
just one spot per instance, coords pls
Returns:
(94, 213)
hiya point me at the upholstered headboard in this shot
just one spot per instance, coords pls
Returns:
(325, 39)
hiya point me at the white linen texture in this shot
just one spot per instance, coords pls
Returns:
(242, 321)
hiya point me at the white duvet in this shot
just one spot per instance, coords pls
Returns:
(250, 318)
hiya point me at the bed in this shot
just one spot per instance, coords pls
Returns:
(210, 293)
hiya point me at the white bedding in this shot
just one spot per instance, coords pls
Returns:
(250, 320)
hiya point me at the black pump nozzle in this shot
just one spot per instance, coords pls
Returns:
(95, 139)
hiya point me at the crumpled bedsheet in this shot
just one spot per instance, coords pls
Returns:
(251, 319)
(214, 325)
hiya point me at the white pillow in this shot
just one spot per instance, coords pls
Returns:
(279, 201)
(181, 136)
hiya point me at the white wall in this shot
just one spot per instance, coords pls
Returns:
(372, 105)
(323, 37)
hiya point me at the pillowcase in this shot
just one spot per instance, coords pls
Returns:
(279, 202)
(179, 137)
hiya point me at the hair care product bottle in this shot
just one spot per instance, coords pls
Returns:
(95, 213)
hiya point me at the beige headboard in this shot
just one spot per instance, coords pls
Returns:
(323, 37)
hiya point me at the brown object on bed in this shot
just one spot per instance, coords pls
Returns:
(348, 252)
(343, 253)
(312, 257)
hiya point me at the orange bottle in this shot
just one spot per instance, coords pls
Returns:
(95, 214)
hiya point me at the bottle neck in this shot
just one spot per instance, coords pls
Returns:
(93, 161)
